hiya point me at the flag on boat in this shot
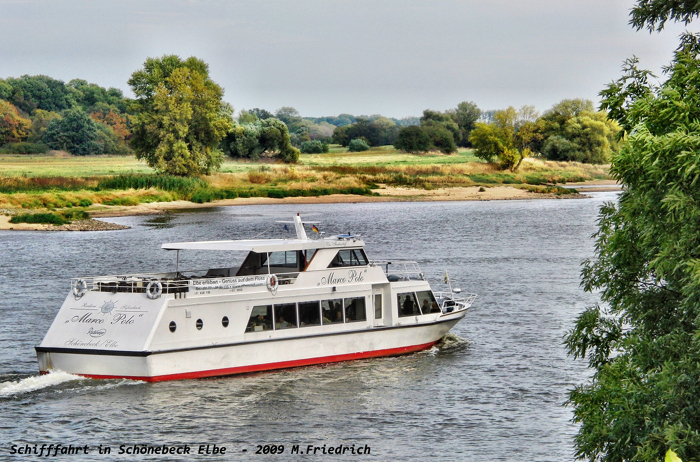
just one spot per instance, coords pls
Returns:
(447, 278)
(286, 228)
(314, 229)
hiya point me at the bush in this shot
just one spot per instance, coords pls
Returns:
(358, 145)
(48, 218)
(314, 147)
(75, 215)
(413, 140)
(24, 148)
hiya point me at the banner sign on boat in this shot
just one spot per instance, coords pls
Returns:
(229, 283)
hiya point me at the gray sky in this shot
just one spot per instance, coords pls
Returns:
(324, 57)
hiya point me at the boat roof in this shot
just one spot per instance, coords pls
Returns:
(269, 245)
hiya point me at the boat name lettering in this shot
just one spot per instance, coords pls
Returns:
(352, 276)
(130, 307)
(110, 344)
(229, 283)
(121, 318)
(86, 319)
(88, 305)
(79, 343)
(96, 333)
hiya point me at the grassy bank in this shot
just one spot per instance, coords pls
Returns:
(59, 182)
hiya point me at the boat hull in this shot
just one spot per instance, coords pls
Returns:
(240, 358)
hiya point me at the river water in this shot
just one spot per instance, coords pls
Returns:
(494, 389)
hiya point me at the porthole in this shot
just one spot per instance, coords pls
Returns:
(199, 324)
(224, 321)
(172, 326)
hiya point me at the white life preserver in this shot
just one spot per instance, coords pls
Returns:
(154, 289)
(272, 283)
(79, 288)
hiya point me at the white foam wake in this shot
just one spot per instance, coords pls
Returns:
(36, 382)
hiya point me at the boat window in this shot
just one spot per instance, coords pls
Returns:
(260, 319)
(427, 302)
(332, 311)
(286, 316)
(224, 321)
(355, 309)
(378, 306)
(408, 305)
(172, 326)
(352, 257)
(288, 259)
(309, 314)
(199, 324)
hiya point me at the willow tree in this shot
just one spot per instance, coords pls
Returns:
(180, 116)
(643, 342)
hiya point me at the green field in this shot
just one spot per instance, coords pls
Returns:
(59, 181)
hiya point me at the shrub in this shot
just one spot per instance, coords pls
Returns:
(358, 145)
(314, 147)
(24, 148)
(144, 181)
(48, 218)
(412, 139)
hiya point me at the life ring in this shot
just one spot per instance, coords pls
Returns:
(79, 288)
(154, 289)
(272, 283)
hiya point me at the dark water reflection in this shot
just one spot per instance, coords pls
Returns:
(498, 397)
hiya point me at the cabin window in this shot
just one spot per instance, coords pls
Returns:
(408, 305)
(224, 321)
(286, 316)
(172, 326)
(260, 319)
(332, 311)
(355, 309)
(377, 306)
(309, 314)
(287, 259)
(352, 257)
(199, 324)
(427, 302)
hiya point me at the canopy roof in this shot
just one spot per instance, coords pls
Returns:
(267, 245)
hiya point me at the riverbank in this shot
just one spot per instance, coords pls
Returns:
(385, 194)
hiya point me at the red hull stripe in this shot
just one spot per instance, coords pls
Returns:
(269, 366)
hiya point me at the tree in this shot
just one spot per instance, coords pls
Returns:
(262, 137)
(412, 139)
(465, 116)
(508, 137)
(653, 14)
(643, 343)
(180, 116)
(30, 93)
(443, 131)
(40, 122)
(74, 132)
(13, 127)
(314, 147)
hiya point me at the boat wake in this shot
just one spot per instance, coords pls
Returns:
(452, 342)
(36, 382)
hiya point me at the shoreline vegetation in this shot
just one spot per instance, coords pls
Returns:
(74, 188)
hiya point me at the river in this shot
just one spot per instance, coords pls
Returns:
(494, 389)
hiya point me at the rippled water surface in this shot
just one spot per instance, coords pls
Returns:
(492, 391)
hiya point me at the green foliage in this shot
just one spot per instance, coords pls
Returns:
(314, 147)
(47, 218)
(263, 137)
(643, 343)
(180, 116)
(573, 131)
(74, 132)
(378, 132)
(358, 145)
(443, 131)
(653, 14)
(24, 148)
(164, 182)
(30, 93)
(465, 116)
(89, 96)
(413, 139)
(40, 122)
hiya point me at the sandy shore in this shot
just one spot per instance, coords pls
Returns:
(388, 194)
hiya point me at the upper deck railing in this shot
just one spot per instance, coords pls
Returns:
(400, 270)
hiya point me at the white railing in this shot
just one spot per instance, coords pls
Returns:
(451, 301)
(400, 270)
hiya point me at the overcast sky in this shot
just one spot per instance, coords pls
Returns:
(325, 57)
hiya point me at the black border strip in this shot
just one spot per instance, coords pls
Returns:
(80, 351)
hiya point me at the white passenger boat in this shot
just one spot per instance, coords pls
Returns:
(292, 302)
